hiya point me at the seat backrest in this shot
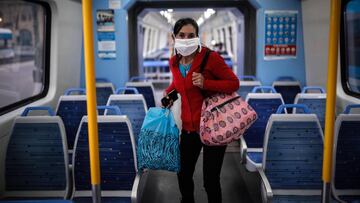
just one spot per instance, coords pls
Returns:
(346, 155)
(293, 152)
(246, 87)
(103, 91)
(36, 164)
(264, 104)
(146, 89)
(117, 157)
(316, 102)
(71, 108)
(131, 105)
(288, 90)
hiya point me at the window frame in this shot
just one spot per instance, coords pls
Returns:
(46, 64)
(344, 64)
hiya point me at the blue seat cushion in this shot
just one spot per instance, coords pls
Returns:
(296, 199)
(255, 156)
(104, 200)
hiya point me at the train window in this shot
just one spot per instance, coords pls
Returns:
(350, 47)
(24, 52)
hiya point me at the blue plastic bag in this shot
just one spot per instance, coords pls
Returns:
(158, 142)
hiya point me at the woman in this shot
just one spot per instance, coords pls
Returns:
(192, 85)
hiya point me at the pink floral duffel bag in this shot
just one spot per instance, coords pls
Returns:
(224, 118)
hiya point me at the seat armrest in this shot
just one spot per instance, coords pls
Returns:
(266, 185)
(243, 150)
(134, 193)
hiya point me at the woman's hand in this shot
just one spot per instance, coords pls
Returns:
(198, 80)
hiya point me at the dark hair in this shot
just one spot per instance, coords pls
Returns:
(185, 21)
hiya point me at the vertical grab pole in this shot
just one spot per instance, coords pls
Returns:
(91, 100)
(331, 97)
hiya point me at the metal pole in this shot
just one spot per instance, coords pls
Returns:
(91, 99)
(331, 97)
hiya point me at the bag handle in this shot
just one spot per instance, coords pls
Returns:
(204, 61)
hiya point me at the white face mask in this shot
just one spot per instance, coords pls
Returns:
(185, 47)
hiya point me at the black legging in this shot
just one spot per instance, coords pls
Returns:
(190, 147)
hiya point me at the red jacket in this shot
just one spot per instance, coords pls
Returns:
(218, 77)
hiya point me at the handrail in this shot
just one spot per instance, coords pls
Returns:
(255, 89)
(102, 80)
(122, 90)
(139, 78)
(300, 106)
(32, 108)
(331, 97)
(313, 88)
(286, 78)
(250, 77)
(70, 90)
(116, 109)
(349, 107)
(91, 99)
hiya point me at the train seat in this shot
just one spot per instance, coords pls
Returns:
(251, 144)
(146, 89)
(36, 158)
(103, 91)
(288, 87)
(71, 108)
(131, 105)
(247, 83)
(346, 157)
(316, 102)
(118, 166)
(292, 159)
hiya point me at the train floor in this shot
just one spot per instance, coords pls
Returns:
(238, 185)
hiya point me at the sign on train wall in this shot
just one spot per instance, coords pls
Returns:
(106, 33)
(280, 34)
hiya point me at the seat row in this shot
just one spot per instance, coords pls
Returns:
(36, 164)
(287, 86)
(266, 104)
(71, 108)
(104, 88)
(290, 165)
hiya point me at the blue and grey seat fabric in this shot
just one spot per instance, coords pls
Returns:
(346, 157)
(251, 144)
(316, 102)
(288, 87)
(119, 177)
(146, 89)
(292, 160)
(247, 84)
(131, 105)
(71, 108)
(103, 91)
(36, 164)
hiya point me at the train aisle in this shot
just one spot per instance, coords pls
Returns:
(238, 185)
